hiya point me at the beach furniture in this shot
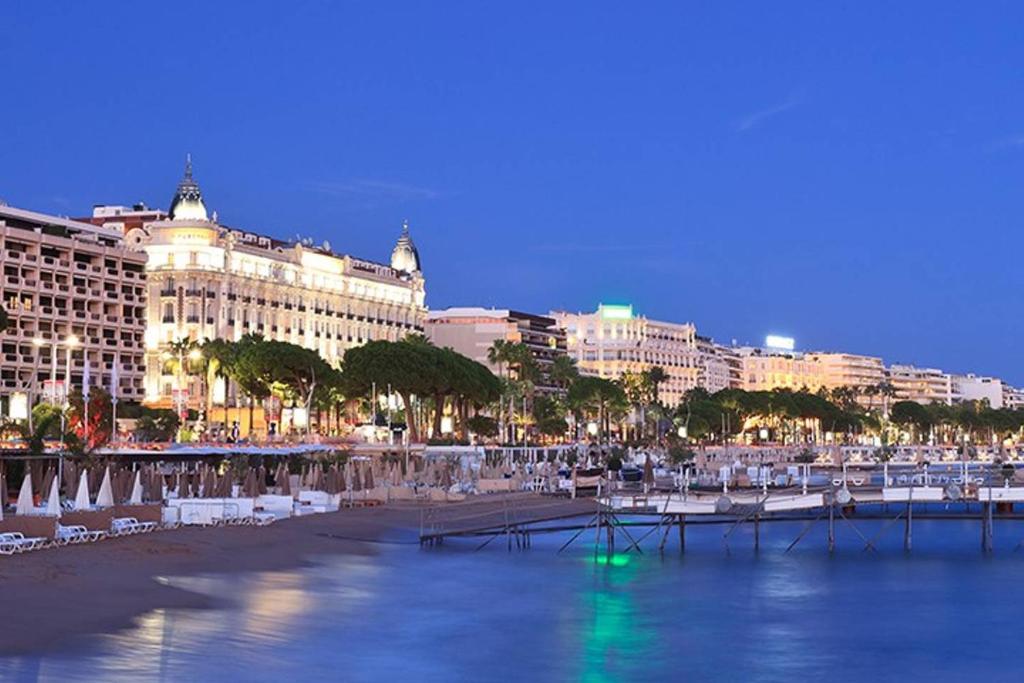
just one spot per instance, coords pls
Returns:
(20, 543)
(77, 533)
(124, 526)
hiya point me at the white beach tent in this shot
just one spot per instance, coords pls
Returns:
(136, 498)
(82, 496)
(25, 506)
(105, 498)
(53, 500)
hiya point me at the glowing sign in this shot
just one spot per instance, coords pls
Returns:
(774, 341)
(613, 312)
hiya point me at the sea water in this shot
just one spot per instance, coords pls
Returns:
(944, 612)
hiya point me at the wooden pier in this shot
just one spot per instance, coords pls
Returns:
(646, 521)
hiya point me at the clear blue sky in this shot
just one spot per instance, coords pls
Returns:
(849, 174)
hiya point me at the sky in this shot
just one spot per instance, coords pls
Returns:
(845, 173)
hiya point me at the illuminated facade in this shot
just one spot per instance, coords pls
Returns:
(613, 341)
(720, 367)
(924, 385)
(68, 280)
(209, 281)
(764, 370)
(473, 331)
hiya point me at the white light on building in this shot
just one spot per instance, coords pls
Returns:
(774, 341)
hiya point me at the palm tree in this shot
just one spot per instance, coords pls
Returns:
(563, 372)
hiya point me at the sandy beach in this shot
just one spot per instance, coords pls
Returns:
(50, 597)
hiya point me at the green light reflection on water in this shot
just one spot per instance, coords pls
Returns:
(612, 639)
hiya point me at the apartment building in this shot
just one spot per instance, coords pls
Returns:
(969, 387)
(68, 285)
(719, 367)
(924, 385)
(472, 332)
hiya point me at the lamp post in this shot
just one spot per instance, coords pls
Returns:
(193, 355)
(69, 343)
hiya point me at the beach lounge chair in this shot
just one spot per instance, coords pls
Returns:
(123, 526)
(22, 543)
(77, 534)
(263, 518)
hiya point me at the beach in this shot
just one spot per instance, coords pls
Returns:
(52, 597)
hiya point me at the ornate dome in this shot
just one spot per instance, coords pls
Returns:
(187, 204)
(405, 258)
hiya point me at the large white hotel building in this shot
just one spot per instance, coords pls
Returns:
(206, 280)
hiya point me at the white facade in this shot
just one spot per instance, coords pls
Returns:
(924, 385)
(613, 341)
(720, 366)
(973, 388)
(208, 281)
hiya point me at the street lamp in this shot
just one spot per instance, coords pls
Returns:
(193, 355)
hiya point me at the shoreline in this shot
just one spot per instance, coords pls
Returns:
(52, 598)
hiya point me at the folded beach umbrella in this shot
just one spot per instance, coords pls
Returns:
(332, 480)
(44, 490)
(285, 481)
(157, 487)
(369, 483)
(70, 477)
(25, 506)
(249, 487)
(261, 481)
(210, 485)
(53, 500)
(227, 485)
(136, 495)
(3, 487)
(82, 497)
(357, 482)
(339, 473)
(122, 486)
(105, 498)
(446, 477)
(648, 472)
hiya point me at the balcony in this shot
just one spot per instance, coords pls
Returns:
(167, 292)
(168, 319)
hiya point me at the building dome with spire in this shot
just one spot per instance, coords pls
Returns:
(405, 258)
(187, 204)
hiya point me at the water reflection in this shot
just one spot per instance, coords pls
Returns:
(451, 614)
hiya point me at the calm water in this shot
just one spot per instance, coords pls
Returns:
(944, 613)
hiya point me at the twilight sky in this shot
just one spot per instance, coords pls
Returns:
(846, 173)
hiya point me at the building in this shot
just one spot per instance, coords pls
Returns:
(68, 285)
(123, 218)
(766, 369)
(210, 281)
(613, 341)
(1013, 398)
(924, 385)
(848, 369)
(970, 387)
(473, 331)
(719, 367)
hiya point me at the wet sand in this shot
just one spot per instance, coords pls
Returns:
(51, 597)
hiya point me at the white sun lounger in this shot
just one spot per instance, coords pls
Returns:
(77, 533)
(123, 526)
(20, 542)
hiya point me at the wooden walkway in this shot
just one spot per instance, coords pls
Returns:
(513, 516)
